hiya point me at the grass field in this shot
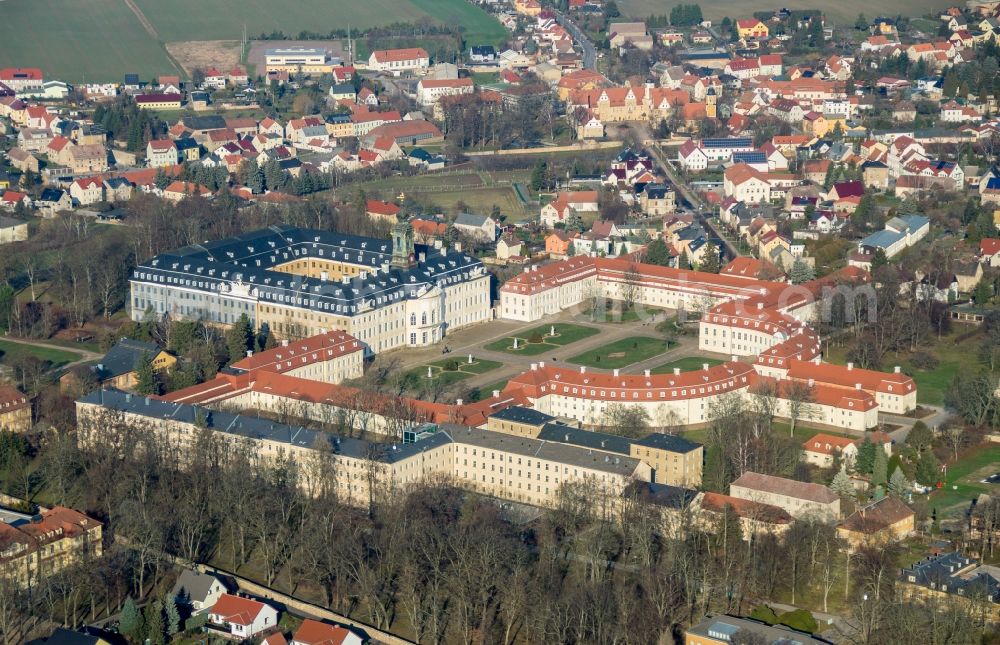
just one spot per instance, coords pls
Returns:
(964, 480)
(622, 352)
(685, 364)
(99, 40)
(462, 371)
(565, 334)
(839, 12)
(177, 20)
(79, 40)
(10, 351)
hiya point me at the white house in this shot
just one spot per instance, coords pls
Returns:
(396, 61)
(313, 632)
(429, 91)
(199, 591)
(161, 153)
(242, 617)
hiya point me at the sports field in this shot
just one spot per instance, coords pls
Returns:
(839, 12)
(79, 40)
(99, 40)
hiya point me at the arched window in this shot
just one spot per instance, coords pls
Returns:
(413, 319)
(423, 318)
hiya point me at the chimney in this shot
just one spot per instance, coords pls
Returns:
(677, 371)
(857, 386)
(541, 364)
(732, 358)
(422, 257)
(249, 353)
(385, 267)
(534, 367)
(616, 372)
(459, 402)
(646, 373)
(284, 342)
(527, 269)
(704, 366)
(583, 369)
(437, 244)
(850, 366)
(895, 370)
(458, 247)
(812, 382)
(496, 394)
(760, 306)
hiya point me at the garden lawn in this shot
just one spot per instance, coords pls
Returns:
(486, 391)
(10, 351)
(685, 364)
(966, 475)
(622, 352)
(565, 334)
(463, 370)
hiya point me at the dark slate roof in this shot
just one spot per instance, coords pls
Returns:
(558, 433)
(519, 414)
(124, 357)
(248, 259)
(185, 143)
(196, 585)
(936, 569)
(205, 122)
(483, 50)
(257, 428)
(669, 442)
(63, 636)
(51, 195)
(657, 191)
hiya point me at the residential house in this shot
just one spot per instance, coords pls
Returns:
(87, 191)
(508, 246)
(88, 158)
(481, 227)
(117, 189)
(622, 34)
(885, 520)
(119, 367)
(197, 591)
(23, 160)
(179, 190)
(989, 251)
(565, 204)
(52, 201)
(483, 55)
(15, 410)
(558, 244)
(898, 234)
(657, 200)
(377, 209)
(242, 617)
(755, 518)
(11, 199)
(161, 153)
(743, 183)
(429, 91)
(751, 29)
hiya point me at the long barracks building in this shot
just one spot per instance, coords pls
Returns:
(302, 282)
(740, 317)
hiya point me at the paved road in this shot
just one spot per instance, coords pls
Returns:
(697, 204)
(587, 47)
(933, 422)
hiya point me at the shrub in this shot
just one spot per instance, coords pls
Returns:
(764, 614)
(535, 337)
(451, 365)
(799, 619)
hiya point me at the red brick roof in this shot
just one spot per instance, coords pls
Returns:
(319, 348)
(380, 207)
(717, 503)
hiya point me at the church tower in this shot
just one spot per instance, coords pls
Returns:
(403, 256)
(711, 108)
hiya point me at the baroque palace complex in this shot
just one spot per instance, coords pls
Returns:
(336, 300)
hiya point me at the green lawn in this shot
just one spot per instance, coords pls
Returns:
(685, 364)
(451, 370)
(84, 40)
(10, 351)
(565, 334)
(622, 352)
(802, 432)
(962, 483)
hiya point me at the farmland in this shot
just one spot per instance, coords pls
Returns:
(98, 40)
(81, 40)
(839, 12)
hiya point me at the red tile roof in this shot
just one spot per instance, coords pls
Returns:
(313, 632)
(398, 55)
(237, 610)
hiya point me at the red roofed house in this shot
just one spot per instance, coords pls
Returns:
(21, 79)
(414, 59)
(751, 29)
(242, 617)
(161, 153)
(756, 518)
(313, 632)
(87, 191)
(821, 449)
(565, 204)
(380, 210)
(178, 190)
(989, 251)
(11, 198)
(214, 79)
